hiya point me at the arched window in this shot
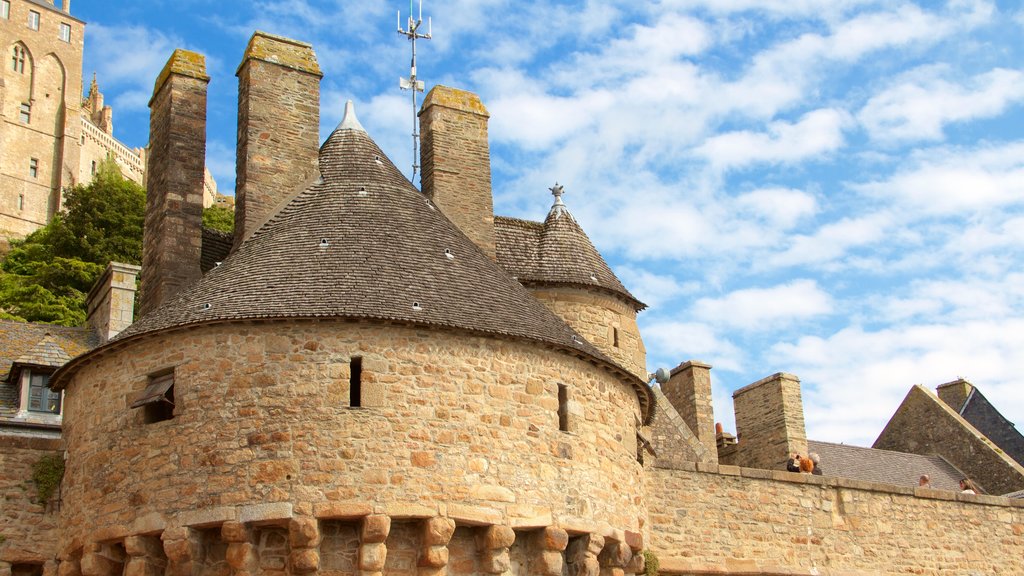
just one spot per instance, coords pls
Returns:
(18, 59)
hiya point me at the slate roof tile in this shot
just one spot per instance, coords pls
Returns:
(363, 243)
(885, 466)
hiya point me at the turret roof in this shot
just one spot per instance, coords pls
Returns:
(556, 251)
(363, 243)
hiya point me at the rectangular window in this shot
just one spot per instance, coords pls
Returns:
(563, 407)
(33, 19)
(40, 397)
(65, 32)
(33, 167)
(26, 113)
(158, 398)
(615, 337)
(21, 201)
(355, 382)
(93, 167)
(5, 9)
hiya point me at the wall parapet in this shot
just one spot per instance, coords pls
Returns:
(711, 519)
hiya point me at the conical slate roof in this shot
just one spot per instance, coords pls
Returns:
(556, 252)
(363, 243)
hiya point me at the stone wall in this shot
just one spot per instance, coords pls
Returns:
(456, 161)
(455, 425)
(923, 424)
(711, 519)
(673, 443)
(278, 127)
(51, 84)
(689, 391)
(600, 318)
(28, 529)
(769, 422)
(172, 239)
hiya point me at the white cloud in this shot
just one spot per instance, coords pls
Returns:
(762, 309)
(816, 133)
(922, 104)
(854, 379)
(692, 341)
(950, 181)
(142, 53)
(833, 240)
(779, 207)
(652, 288)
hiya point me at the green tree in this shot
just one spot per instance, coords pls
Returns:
(46, 276)
(219, 218)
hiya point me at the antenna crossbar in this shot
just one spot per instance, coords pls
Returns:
(412, 83)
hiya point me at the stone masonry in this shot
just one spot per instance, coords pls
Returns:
(40, 99)
(278, 127)
(111, 301)
(28, 528)
(174, 195)
(689, 391)
(769, 422)
(456, 161)
(923, 423)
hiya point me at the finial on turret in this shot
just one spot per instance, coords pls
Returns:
(349, 121)
(558, 207)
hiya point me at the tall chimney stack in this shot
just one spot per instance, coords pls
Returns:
(689, 391)
(769, 422)
(278, 127)
(111, 302)
(456, 162)
(172, 240)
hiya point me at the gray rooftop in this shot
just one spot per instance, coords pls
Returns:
(884, 466)
(363, 243)
(555, 252)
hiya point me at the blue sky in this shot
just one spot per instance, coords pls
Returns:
(830, 188)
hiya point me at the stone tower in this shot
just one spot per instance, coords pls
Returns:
(769, 422)
(172, 241)
(278, 127)
(456, 161)
(40, 99)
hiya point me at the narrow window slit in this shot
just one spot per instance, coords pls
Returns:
(355, 382)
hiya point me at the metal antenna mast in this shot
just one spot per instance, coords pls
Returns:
(412, 33)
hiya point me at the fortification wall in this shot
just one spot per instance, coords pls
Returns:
(451, 425)
(709, 519)
(605, 321)
(28, 528)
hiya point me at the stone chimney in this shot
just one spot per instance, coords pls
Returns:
(956, 393)
(456, 162)
(769, 422)
(172, 239)
(278, 127)
(111, 302)
(689, 390)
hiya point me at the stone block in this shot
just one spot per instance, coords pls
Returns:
(474, 515)
(341, 510)
(304, 532)
(372, 557)
(433, 557)
(495, 537)
(408, 510)
(549, 563)
(144, 546)
(207, 517)
(304, 561)
(495, 562)
(635, 540)
(375, 529)
(94, 564)
(232, 531)
(552, 538)
(241, 555)
(438, 531)
(269, 512)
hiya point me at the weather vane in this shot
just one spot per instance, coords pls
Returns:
(411, 83)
